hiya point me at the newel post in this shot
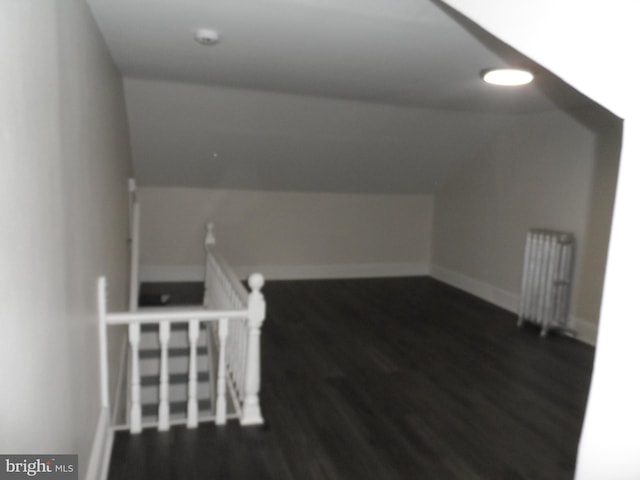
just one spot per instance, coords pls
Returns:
(102, 332)
(209, 239)
(251, 413)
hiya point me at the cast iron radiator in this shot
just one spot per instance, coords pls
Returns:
(546, 279)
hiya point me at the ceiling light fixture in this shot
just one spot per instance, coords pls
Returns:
(507, 76)
(206, 36)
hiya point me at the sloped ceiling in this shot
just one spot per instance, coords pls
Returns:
(324, 95)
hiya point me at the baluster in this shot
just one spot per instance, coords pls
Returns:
(244, 346)
(237, 332)
(104, 361)
(192, 405)
(221, 398)
(163, 408)
(251, 414)
(135, 411)
(239, 357)
(233, 352)
(207, 283)
(209, 239)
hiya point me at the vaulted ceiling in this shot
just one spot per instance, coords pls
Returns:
(325, 95)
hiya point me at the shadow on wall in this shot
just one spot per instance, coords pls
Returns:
(608, 143)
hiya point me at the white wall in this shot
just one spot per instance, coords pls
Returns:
(64, 156)
(284, 142)
(580, 51)
(284, 234)
(549, 170)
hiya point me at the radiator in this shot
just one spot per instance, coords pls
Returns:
(546, 279)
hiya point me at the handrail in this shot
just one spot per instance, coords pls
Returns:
(184, 315)
(238, 316)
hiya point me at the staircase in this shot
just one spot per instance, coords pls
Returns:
(178, 364)
(185, 363)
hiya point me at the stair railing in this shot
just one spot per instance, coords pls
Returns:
(241, 354)
(235, 317)
(134, 246)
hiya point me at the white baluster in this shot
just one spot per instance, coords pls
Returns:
(135, 411)
(192, 403)
(241, 334)
(163, 408)
(102, 323)
(243, 355)
(251, 414)
(208, 284)
(134, 274)
(209, 239)
(233, 351)
(221, 397)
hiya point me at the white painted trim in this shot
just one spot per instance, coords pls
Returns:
(313, 272)
(98, 467)
(585, 331)
(498, 296)
(187, 273)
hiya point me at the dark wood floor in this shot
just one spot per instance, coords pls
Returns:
(388, 379)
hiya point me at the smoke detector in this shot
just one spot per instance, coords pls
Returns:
(206, 36)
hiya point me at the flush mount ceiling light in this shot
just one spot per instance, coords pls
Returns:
(507, 76)
(206, 36)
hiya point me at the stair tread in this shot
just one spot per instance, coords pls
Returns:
(172, 352)
(174, 378)
(180, 406)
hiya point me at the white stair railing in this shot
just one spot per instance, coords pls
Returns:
(134, 249)
(192, 389)
(223, 290)
(135, 406)
(233, 315)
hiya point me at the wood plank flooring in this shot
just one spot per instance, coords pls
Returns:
(403, 378)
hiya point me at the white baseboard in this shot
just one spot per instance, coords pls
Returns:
(318, 272)
(98, 467)
(498, 296)
(585, 331)
(188, 273)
